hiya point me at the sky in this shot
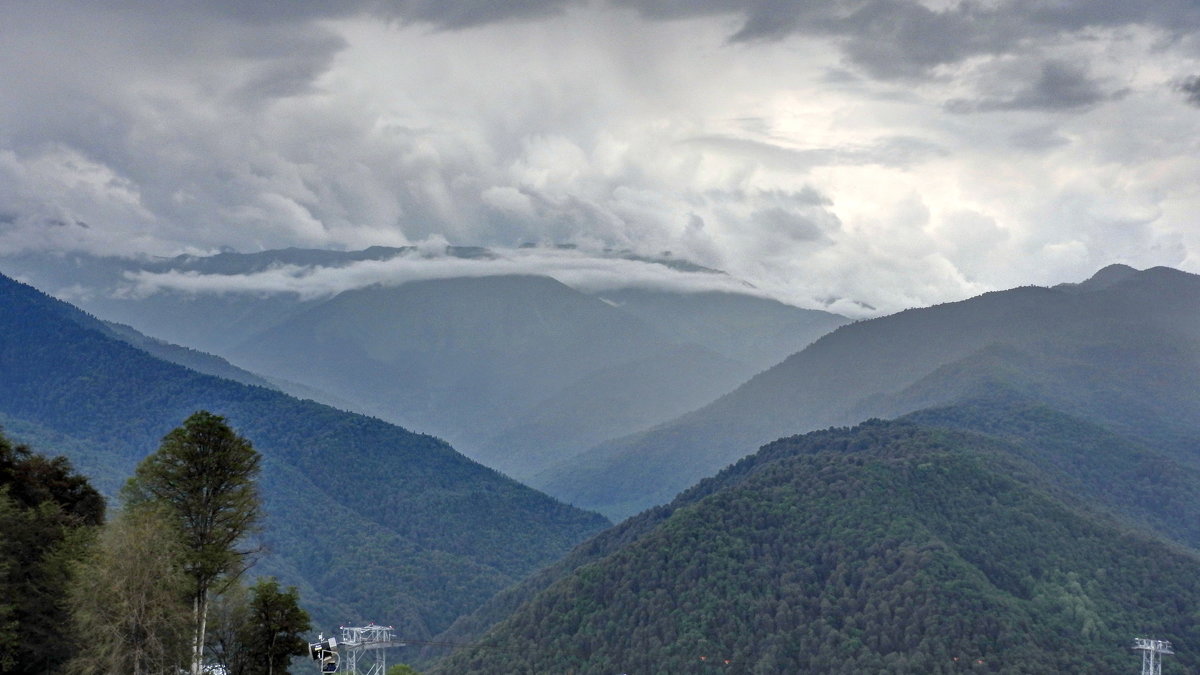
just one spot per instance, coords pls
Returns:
(859, 155)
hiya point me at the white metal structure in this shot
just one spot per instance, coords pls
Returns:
(1152, 651)
(365, 648)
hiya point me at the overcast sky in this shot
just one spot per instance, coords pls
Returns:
(894, 152)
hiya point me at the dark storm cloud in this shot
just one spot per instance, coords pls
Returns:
(173, 125)
(444, 14)
(468, 13)
(285, 65)
(1056, 86)
(888, 38)
(789, 224)
(1190, 88)
(895, 38)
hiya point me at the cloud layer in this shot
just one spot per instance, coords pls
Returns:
(892, 152)
(579, 269)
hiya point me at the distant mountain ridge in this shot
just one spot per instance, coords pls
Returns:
(517, 371)
(370, 520)
(1123, 348)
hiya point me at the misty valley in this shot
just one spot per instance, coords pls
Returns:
(516, 474)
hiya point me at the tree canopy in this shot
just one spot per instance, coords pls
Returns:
(256, 631)
(129, 602)
(46, 509)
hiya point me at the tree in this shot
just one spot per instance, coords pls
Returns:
(228, 614)
(275, 627)
(10, 522)
(33, 480)
(46, 509)
(258, 635)
(203, 475)
(128, 602)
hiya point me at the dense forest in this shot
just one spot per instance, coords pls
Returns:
(888, 548)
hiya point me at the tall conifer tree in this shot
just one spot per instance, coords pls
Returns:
(204, 475)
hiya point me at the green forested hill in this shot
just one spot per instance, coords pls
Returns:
(371, 521)
(889, 548)
(1135, 481)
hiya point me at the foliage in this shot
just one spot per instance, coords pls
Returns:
(129, 598)
(889, 548)
(204, 476)
(203, 479)
(228, 615)
(46, 512)
(257, 632)
(34, 480)
(1133, 480)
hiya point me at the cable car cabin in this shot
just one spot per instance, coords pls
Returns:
(324, 652)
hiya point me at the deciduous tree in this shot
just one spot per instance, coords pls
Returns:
(128, 600)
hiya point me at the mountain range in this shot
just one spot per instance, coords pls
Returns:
(1031, 507)
(1122, 348)
(516, 371)
(1035, 512)
(370, 520)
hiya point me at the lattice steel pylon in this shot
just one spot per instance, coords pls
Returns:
(365, 649)
(1152, 651)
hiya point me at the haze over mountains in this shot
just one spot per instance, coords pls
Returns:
(516, 370)
(1122, 349)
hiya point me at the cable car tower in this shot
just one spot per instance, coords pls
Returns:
(366, 648)
(1152, 651)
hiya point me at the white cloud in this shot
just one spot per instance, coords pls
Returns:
(795, 162)
(589, 272)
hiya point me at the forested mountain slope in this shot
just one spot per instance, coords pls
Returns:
(1082, 463)
(891, 547)
(372, 521)
(1123, 350)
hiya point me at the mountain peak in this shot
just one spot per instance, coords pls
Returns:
(1106, 277)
